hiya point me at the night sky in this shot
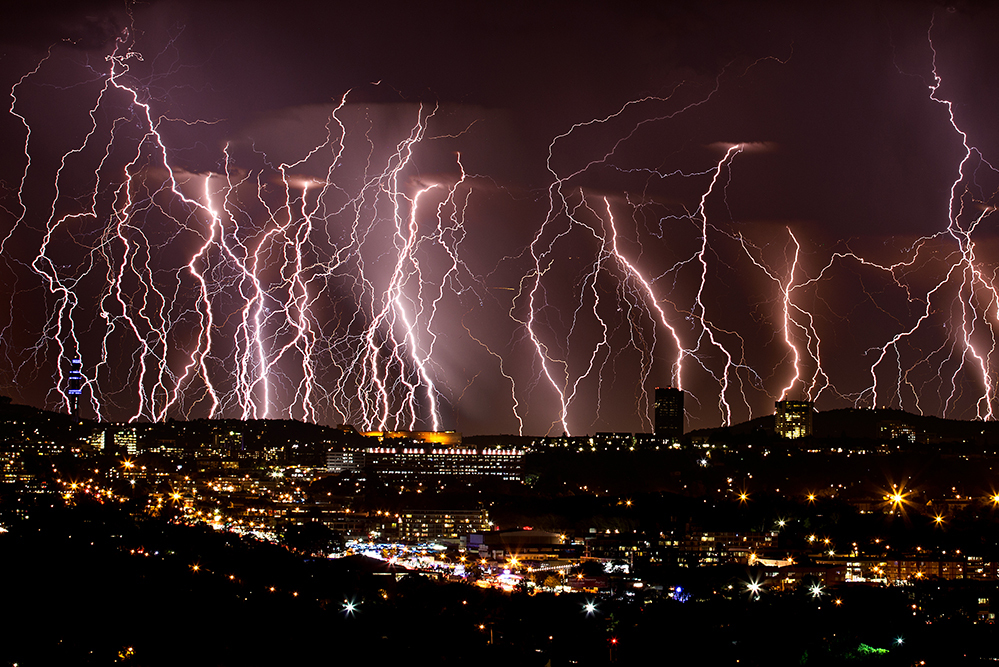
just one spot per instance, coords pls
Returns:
(500, 220)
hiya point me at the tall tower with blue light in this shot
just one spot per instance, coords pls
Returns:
(75, 388)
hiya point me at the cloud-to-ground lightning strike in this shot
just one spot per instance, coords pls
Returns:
(971, 324)
(976, 303)
(355, 275)
(252, 260)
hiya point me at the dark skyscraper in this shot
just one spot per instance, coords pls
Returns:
(75, 386)
(668, 417)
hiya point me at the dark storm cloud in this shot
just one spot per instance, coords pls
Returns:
(87, 25)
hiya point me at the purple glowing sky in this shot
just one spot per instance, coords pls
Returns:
(590, 140)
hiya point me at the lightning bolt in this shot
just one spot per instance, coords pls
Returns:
(253, 259)
(323, 284)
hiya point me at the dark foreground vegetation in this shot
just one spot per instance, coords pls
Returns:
(97, 585)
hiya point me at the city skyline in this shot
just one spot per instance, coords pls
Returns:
(459, 220)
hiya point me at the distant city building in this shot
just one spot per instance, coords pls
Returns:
(668, 412)
(97, 440)
(601, 442)
(338, 461)
(627, 547)
(126, 440)
(607, 442)
(416, 464)
(350, 524)
(523, 544)
(448, 524)
(903, 569)
(896, 430)
(228, 442)
(646, 442)
(715, 548)
(12, 467)
(793, 419)
(618, 442)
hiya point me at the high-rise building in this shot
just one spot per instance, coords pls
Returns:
(75, 387)
(793, 419)
(668, 416)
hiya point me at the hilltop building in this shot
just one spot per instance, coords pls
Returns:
(793, 419)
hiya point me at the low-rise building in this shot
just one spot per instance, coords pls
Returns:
(422, 525)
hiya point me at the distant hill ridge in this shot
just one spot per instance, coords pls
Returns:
(859, 423)
(842, 422)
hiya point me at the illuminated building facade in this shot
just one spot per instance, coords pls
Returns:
(12, 467)
(701, 548)
(447, 524)
(897, 430)
(421, 464)
(228, 442)
(908, 568)
(619, 547)
(668, 413)
(351, 524)
(97, 440)
(524, 544)
(793, 419)
(606, 442)
(126, 440)
(338, 461)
